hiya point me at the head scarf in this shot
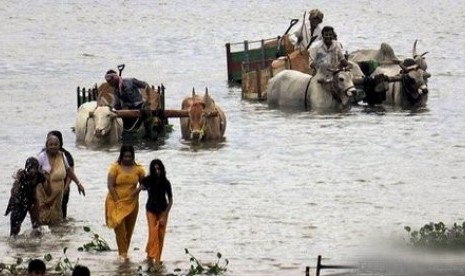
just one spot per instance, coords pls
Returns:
(316, 13)
(31, 163)
(112, 75)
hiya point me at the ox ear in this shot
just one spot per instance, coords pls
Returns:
(426, 75)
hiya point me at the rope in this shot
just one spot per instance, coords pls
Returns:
(306, 93)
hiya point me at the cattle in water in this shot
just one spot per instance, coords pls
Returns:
(106, 96)
(97, 125)
(328, 90)
(407, 87)
(206, 120)
(369, 59)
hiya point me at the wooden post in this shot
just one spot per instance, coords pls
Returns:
(246, 55)
(307, 271)
(229, 61)
(78, 97)
(259, 83)
(263, 53)
(162, 96)
(318, 265)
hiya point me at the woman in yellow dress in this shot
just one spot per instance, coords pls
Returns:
(56, 168)
(122, 201)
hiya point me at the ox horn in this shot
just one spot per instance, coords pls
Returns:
(414, 50)
(193, 92)
(206, 90)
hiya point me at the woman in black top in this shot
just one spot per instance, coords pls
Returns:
(159, 202)
(23, 198)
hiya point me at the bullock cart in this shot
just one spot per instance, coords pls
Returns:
(255, 80)
(103, 95)
(257, 54)
(252, 55)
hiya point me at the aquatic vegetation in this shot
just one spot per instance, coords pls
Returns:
(438, 236)
(197, 268)
(96, 244)
(18, 267)
(63, 265)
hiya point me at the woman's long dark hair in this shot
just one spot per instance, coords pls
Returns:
(126, 148)
(153, 174)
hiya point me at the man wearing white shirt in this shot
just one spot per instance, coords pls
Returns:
(303, 35)
(326, 52)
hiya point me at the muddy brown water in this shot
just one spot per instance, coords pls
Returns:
(283, 187)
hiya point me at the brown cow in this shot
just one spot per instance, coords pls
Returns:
(206, 120)
(106, 96)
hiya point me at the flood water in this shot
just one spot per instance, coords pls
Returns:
(284, 187)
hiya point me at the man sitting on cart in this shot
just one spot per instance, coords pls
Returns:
(128, 96)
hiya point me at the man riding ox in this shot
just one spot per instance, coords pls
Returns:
(329, 90)
(206, 120)
(97, 125)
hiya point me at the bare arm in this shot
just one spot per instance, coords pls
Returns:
(68, 180)
(72, 176)
(170, 198)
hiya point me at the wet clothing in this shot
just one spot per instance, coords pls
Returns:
(57, 169)
(129, 96)
(64, 204)
(22, 200)
(156, 234)
(159, 191)
(320, 54)
(121, 215)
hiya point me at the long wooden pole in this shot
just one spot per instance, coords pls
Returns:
(167, 113)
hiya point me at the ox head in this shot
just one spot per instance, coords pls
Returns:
(199, 113)
(414, 79)
(103, 119)
(419, 59)
(342, 85)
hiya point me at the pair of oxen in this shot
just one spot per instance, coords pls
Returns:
(377, 77)
(98, 124)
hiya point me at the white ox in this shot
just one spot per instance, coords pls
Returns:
(327, 90)
(97, 125)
